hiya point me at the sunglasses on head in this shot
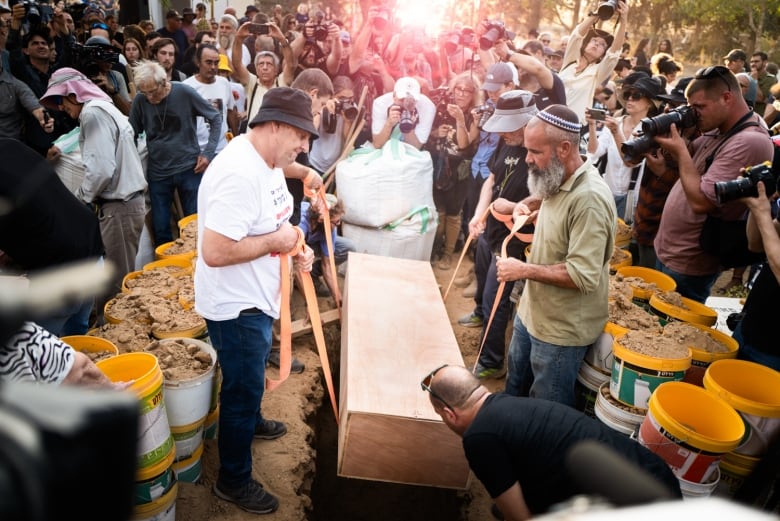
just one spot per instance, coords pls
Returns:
(716, 71)
(428, 380)
(633, 95)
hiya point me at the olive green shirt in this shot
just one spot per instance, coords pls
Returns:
(576, 226)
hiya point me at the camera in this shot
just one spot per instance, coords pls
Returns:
(346, 108)
(34, 13)
(442, 97)
(606, 9)
(86, 58)
(633, 149)
(409, 115)
(746, 186)
(484, 112)
(320, 32)
(494, 31)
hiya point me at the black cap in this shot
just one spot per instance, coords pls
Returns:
(677, 95)
(649, 87)
(286, 105)
(173, 13)
(187, 11)
(252, 8)
(736, 54)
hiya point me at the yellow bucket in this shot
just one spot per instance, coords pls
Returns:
(635, 376)
(627, 260)
(182, 262)
(702, 359)
(623, 235)
(135, 274)
(161, 509)
(92, 346)
(734, 468)
(754, 391)
(184, 221)
(188, 470)
(691, 429)
(159, 252)
(696, 313)
(662, 280)
(155, 442)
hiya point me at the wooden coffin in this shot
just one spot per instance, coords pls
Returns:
(395, 330)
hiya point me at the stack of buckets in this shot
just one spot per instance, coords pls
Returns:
(753, 390)
(188, 402)
(156, 486)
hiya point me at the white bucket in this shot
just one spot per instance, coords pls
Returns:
(599, 354)
(589, 379)
(188, 401)
(692, 490)
(188, 442)
(618, 417)
(189, 470)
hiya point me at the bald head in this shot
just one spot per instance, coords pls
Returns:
(455, 385)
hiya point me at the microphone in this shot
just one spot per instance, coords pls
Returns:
(599, 470)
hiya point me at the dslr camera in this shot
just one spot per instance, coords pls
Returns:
(453, 39)
(494, 31)
(409, 115)
(606, 9)
(484, 112)
(633, 149)
(346, 108)
(442, 97)
(746, 186)
(34, 12)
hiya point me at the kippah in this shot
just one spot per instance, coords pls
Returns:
(558, 121)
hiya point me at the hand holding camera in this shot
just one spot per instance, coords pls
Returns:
(757, 184)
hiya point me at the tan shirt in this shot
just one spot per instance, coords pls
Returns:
(576, 226)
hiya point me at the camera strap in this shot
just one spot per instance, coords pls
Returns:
(739, 126)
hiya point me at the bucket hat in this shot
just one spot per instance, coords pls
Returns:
(649, 87)
(677, 94)
(593, 33)
(286, 105)
(514, 110)
(66, 81)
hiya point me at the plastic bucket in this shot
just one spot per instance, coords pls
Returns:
(599, 354)
(625, 259)
(189, 469)
(635, 376)
(155, 442)
(160, 252)
(692, 490)
(754, 391)
(663, 281)
(188, 442)
(614, 414)
(184, 221)
(211, 425)
(154, 488)
(694, 312)
(589, 379)
(701, 359)
(95, 347)
(734, 468)
(178, 262)
(188, 400)
(691, 429)
(161, 509)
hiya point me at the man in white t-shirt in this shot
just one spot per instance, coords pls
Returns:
(406, 108)
(216, 90)
(228, 24)
(243, 224)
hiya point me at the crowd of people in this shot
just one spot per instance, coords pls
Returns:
(243, 114)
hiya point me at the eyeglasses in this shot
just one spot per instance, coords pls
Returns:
(426, 386)
(152, 92)
(463, 90)
(715, 71)
(633, 95)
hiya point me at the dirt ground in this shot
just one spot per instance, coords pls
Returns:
(300, 468)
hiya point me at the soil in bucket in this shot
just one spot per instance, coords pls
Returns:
(643, 361)
(754, 391)
(94, 347)
(617, 416)
(707, 345)
(645, 282)
(691, 429)
(671, 306)
(155, 442)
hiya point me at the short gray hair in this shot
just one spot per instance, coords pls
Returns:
(148, 71)
(267, 53)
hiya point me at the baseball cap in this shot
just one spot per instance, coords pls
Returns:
(172, 13)
(407, 86)
(497, 76)
(286, 105)
(677, 94)
(252, 9)
(735, 55)
(514, 110)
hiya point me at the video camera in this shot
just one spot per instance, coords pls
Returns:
(633, 149)
(442, 97)
(494, 31)
(87, 57)
(746, 186)
(35, 13)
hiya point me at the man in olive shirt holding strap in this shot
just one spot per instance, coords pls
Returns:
(564, 304)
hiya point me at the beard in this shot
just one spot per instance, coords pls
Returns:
(545, 182)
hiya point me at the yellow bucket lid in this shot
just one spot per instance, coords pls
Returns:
(696, 312)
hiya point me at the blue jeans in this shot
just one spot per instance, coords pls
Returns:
(542, 370)
(341, 247)
(242, 346)
(186, 183)
(620, 204)
(694, 287)
(72, 319)
(492, 355)
(752, 354)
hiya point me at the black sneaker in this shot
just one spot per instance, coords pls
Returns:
(251, 497)
(296, 366)
(270, 430)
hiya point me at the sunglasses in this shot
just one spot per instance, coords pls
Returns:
(426, 385)
(633, 95)
(716, 71)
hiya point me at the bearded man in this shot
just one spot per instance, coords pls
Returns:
(564, 304)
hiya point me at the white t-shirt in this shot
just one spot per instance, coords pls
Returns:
(240, 196)
(246, 55)
(220, 95)
(425, 108)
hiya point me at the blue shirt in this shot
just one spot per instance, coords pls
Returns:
(315, 238)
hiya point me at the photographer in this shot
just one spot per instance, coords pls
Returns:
(321, 46)
(590, 57)
(406, 108)
(732, 137)
(755, 332)
(98, 67)
(335, 120)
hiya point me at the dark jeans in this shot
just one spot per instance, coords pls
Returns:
(186, 183)
(492, 355)
(242, 346)
(694, 287)
(752, 354)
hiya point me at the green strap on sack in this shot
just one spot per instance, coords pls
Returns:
(425, 215)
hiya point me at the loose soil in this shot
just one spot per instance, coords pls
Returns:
(655, 345)
(694, 337)
(623, 312)
(180, 359)
(127, 336)
(673, 298)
